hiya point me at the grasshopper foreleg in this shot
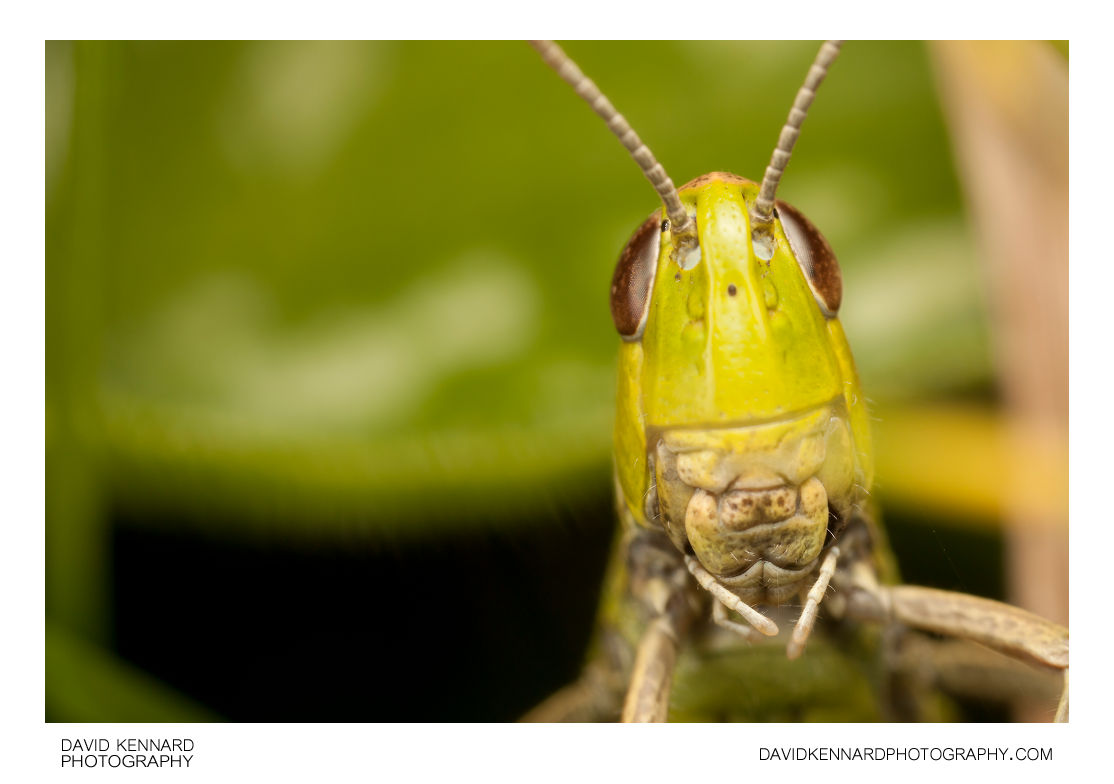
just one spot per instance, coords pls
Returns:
(652, 678)
(967, 670)
(664, 592)
(1007, 629)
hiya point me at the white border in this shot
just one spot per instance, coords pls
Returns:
(508, 752)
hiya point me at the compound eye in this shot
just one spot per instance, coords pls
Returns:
(816, 258)
(634, 278)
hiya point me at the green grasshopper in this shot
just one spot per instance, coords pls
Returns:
(743, 468)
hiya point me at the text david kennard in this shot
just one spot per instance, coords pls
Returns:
(127, 752)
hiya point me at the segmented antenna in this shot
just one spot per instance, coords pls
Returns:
(555, 58)
(762, 213)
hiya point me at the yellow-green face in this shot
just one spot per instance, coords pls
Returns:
(735, 372)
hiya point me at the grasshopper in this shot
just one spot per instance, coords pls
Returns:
(743, 469)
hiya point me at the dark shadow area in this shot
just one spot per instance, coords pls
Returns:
(458, 629)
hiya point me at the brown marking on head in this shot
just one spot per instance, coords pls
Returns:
(704, 179)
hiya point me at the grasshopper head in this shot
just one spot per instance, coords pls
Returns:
(735, 370)
(729, 337)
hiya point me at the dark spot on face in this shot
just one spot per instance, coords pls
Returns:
(731, 290)
(677, 276)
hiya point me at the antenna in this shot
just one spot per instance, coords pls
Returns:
(762, 213)
(681, 226)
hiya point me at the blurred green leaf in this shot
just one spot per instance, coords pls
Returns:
(339, 275)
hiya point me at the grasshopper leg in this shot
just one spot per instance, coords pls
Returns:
(1001, 627)
(652, 679)
(652, 674)
(965, 669)
(663, 596)
(1062, 708)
